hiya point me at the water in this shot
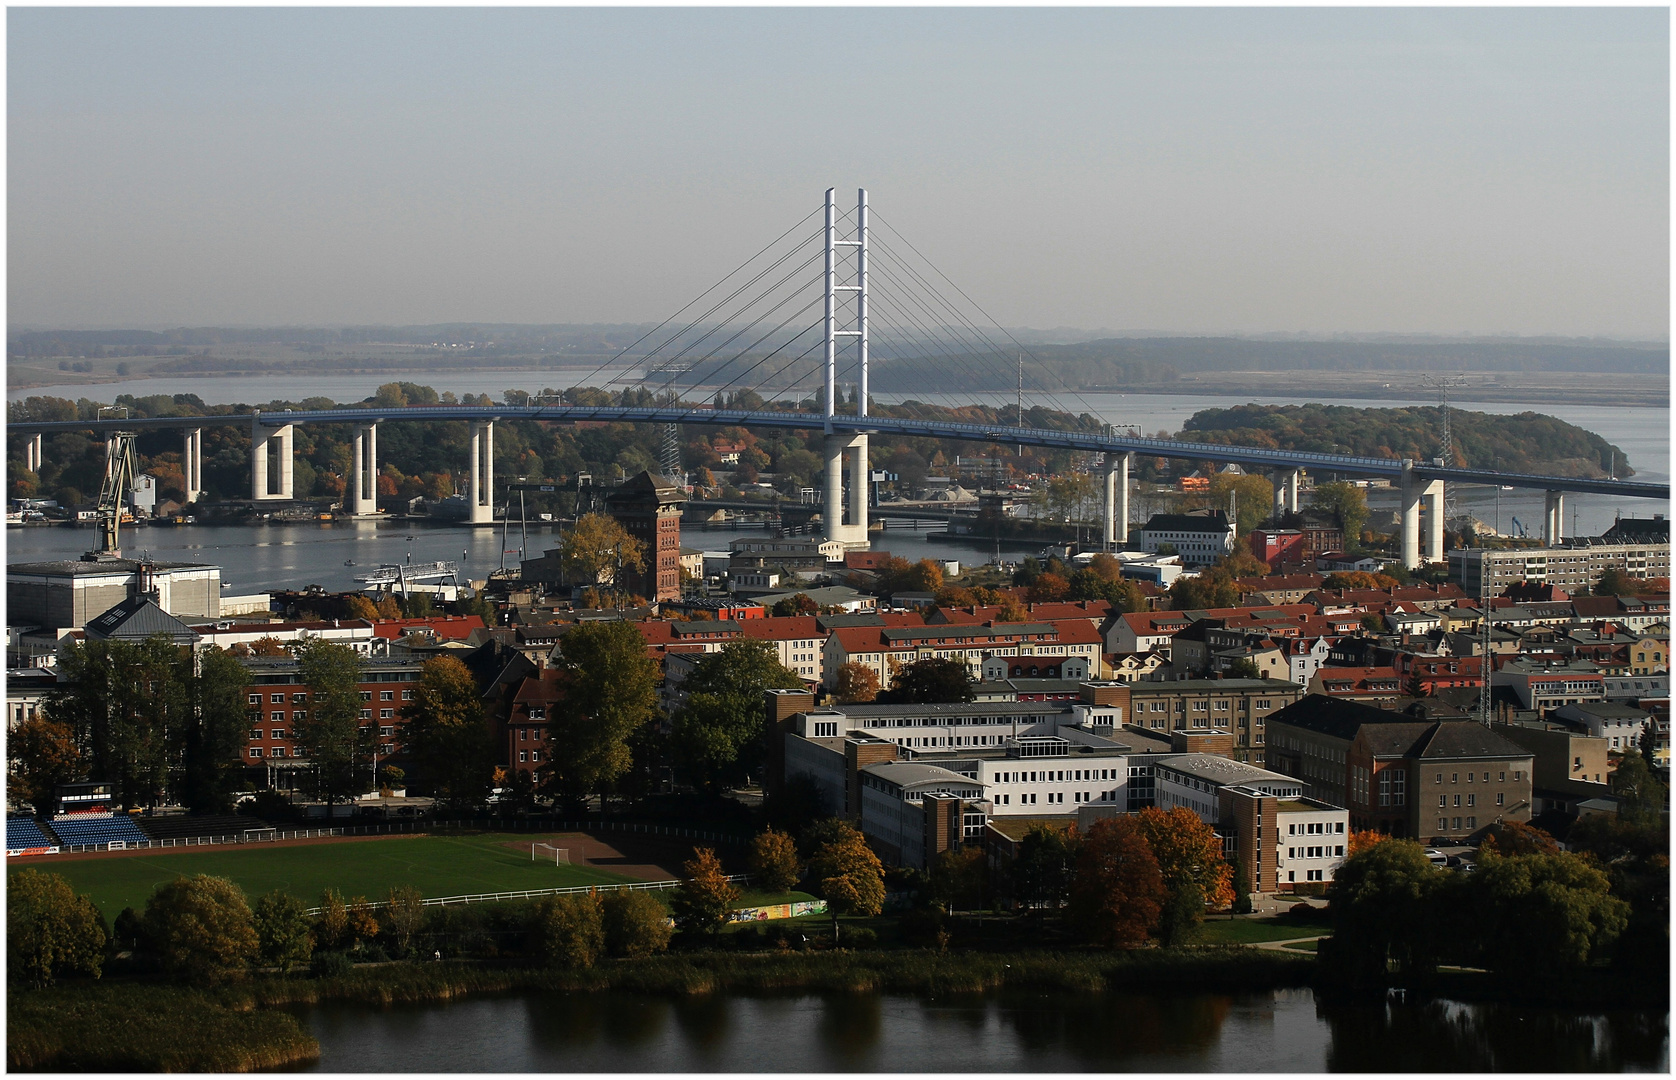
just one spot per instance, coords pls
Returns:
(1278, 1031)
(291, 555)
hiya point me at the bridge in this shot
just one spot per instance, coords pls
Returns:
(845, 434)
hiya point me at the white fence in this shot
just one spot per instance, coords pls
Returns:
(531, 894)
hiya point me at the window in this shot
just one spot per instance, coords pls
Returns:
(366, 714)
(386, 695)
(1454, 778)
(407, 695)
(299, 714)
(276, 699)
(1472, 800)
(523, 755)
(386, 714)
(1399, 789)
(254, 699)
(255, 751)
(1472, 823)
(1440, 778)
(535, 755)
(1457, 799)
(256, 733)
(1457, 823)
(1442, 824)
(279, 733)
(1502, 777)
(1442, 800)
(1338, 850)
(1499, 798)
(366, 695)
(276, 718)
(386, 732)
(298, 699)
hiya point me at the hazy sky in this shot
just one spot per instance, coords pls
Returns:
(1424, 170)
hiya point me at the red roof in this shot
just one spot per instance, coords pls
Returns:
(445, 627)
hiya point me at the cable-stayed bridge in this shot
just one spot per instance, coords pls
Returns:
(816, 308)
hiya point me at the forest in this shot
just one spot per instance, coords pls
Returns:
(1528, 442)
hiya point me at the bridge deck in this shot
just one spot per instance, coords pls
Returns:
(1388, 468)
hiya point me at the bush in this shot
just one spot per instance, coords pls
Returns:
(50, 930)
(1304, 911)
(635, 924)
(283, 938)
(566, 931)
(332, 965)
(201, 928)
(860, 937)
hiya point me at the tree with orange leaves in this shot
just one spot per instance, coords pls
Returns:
(1518, 838)
(1117, 892)
(1196, 876)
(1362, 839)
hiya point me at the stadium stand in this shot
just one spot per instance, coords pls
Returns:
(97, 829)
(23, 833)
(184, 827)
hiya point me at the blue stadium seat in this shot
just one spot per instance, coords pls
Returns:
(100, 830)
(22, 832)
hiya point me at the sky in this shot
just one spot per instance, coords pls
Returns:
(1486, 171)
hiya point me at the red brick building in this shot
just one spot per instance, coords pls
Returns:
(276, 695)
(649, 508)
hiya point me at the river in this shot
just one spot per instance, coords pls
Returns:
(1012, 1031)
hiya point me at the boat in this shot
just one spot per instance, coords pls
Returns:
(410, 538)
(349, 562)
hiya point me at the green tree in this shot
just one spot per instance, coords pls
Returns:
(446, 734)
(610, 688)
(959, 879)
(1116, 891)
(332, 921)
(797, 604)
(774, 861)
(1211, 588)
(404, 914)
(122, 699)
(1041, 871)
(1542, 914)
(1253, 497)
(704, 899)
(718, 731)
(635, 924)
(848, 874)
(332, 735)
(1641, 796)
(567, 931)
(1382, 905)
(283, 936)
(1241, 668)
(50, 930)
(212, 745)
(1349, 502)
(1614, 582)
(201, 928)
(929, 681)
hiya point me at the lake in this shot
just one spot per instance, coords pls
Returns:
(1010, 1031)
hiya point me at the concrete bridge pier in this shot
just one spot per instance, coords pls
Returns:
(1553, 517)
(1414, 490)
(262, 480)
(1285, 483)
(853, 533)
(192, 464)
(363, 468)
(32, 453)
(482, 494)
(1114, 508)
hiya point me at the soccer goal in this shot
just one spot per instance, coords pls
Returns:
(559, 855)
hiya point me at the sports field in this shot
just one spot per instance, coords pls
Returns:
(435, 865)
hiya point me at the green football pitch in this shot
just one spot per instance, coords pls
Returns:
(435, 865)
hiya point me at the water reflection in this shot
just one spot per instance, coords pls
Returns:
(1014, 1031)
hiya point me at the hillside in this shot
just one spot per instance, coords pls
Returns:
(1528, 442)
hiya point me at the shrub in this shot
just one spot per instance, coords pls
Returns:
(861, 937)
(201, 928)
(404, 913)
(50, 930)
(331, 925)
(566, 931)
(332, 965)
(635, 924)
(283, 938)
(1304, 911)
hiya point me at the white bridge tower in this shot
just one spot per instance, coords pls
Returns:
(853, 531)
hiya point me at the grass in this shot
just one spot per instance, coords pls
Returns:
(435, 865)
(1303, 946)
(1252, 931)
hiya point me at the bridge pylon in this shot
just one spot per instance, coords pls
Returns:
(853, 533)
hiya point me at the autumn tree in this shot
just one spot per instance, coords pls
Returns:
(201, 928)
(1518, 838)
(796, 604)
(856, 684)
(331, 734)
(567, 931)
(848, 875)
(359, 607)
(610, 693)
(598, 549)
(1048, 588)
(1358, 579)
(404, 914)
(41, 753)
(1195, 875)
(704, 899)
(774, 861)
(1116, 891)
(50, 930)
(445, 733)
(718, 731)
(331, 922)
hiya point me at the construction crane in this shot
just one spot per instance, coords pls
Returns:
(120, 472)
